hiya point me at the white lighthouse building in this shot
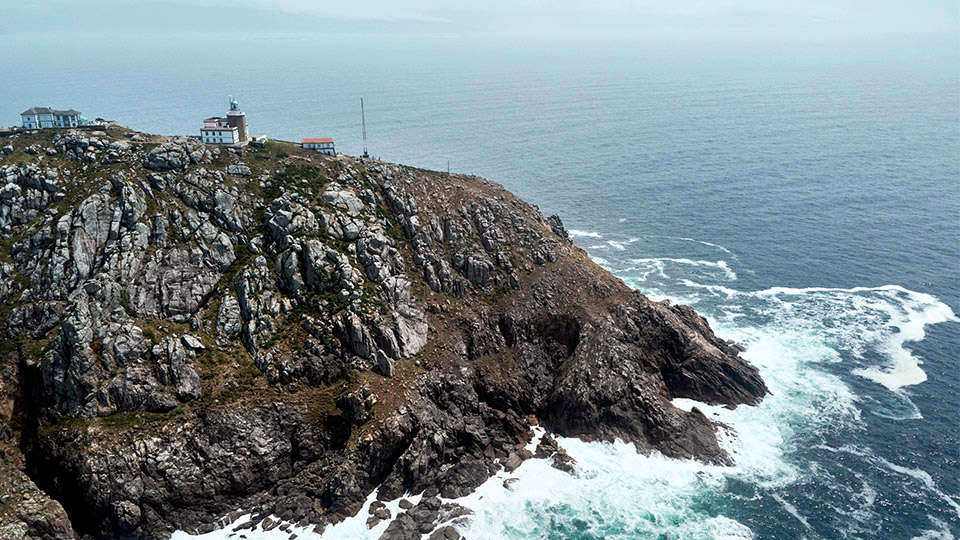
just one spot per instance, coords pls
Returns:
(231, 129)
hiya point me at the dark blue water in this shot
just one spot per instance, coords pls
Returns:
(803, 196)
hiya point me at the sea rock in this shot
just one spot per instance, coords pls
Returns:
(445, 533)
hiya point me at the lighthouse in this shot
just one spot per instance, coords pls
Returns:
(236, 119)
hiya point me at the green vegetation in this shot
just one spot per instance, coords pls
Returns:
(117, 422)
(229, 394)
(305, 179)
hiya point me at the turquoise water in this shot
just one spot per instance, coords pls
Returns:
(805, 197)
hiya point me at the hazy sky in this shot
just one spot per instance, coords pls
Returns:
(694, 17)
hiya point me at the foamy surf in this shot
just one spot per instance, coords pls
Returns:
(804, 340)
(688, 239)
(352, 528)
(882, 319)
(576, 233)
(617, 493)
(657, 263)
(238, 528)
(859, 320)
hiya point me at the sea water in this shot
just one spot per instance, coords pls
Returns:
(804, 197)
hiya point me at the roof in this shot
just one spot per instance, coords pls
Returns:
(213, 119)
(221, 128)
(315, 141)
(48, 110)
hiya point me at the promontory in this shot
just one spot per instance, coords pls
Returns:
(192, 331)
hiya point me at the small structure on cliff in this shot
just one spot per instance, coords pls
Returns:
(324, 146)
(230, 129)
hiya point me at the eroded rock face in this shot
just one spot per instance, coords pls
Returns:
(286, 338)
(28, 512)
(174, 156)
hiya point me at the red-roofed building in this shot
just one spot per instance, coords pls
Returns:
(324, 146)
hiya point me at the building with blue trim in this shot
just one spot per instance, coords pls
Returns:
(45, 117)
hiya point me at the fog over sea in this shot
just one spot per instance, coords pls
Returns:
(804, 197)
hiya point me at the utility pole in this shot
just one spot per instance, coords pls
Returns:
(363, 119)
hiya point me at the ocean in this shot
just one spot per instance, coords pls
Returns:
(803, 196)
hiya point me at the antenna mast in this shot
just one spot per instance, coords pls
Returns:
(363, 119)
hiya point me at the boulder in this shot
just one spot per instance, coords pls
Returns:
(343, 199)
(174, 155)
(357, 405)
(192, 342)
(238, 170)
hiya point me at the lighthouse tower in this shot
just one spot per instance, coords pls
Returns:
(236, 118)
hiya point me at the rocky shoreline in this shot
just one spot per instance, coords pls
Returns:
(190, 330)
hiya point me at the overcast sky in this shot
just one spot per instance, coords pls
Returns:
(692, 17)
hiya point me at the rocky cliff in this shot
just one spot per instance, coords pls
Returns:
(189, 330)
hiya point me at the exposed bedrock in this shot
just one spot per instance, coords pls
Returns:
(189, 330)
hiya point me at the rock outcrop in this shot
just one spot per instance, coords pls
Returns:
(190, 331)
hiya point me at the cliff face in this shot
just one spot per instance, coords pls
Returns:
(189, 331)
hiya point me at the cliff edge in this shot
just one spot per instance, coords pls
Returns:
(191, 329)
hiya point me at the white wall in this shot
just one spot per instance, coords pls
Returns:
(224, 136)
(34, 121)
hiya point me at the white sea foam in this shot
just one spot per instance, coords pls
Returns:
(228, 533)
(352, 528)
(728, 274)
(884, 319)
(717, 289)
(355, 527)
(648, 267)
(576, 233)
(617, 245)
(942, 531)
(924, 478)
(859, 319)
(616, 493)
(792, 335)
(792, 510)
(688, 239)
